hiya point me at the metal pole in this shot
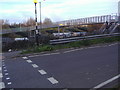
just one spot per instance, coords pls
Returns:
(40, 17)
(36, 31)
(20, 26)
(58, 31)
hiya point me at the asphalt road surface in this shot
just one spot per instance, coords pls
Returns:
(92, 67)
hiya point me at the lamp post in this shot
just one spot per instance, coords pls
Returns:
(36, 31)
(40, 16)
(119, 12)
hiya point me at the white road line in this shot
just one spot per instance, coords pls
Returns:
(106, 82)
(0, 68)
(44, 54)
(3, 60)
(54, 53)
(2, 85)
(1, 75)
(34, 65)
(7, 78)
(52, 80)
(29, 61)
(9, 83)
(34, 56)
(73, 50)
(70, 51)
(5, 70)
(39, 55)
(91, 47)
(42, 72)
(24, 57)
(4, 67)
(6, 73)
(85, 48)
(97, 46)
(112, 44)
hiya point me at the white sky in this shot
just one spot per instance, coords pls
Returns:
(56, 10)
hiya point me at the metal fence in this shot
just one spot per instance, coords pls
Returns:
(80, 21)
(67, 40)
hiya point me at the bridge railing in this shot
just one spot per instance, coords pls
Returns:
(88, 20)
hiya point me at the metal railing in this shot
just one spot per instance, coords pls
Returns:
(80, 21)
(89, 20)
(67, 40)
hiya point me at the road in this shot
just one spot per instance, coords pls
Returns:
(75, 68)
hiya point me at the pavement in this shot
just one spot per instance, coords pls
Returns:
(89, 67)
(12, 54)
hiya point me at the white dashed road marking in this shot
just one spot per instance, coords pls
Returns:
(2, 85)
(5, 70)
(0, 68)
(42, 72)
(34, 65)
(6, 73)
(24, 57)
(9, 83)
(29, 61)
(4, 67)
(8, 78)
(1, 75)
(52, 80)
(106, 82)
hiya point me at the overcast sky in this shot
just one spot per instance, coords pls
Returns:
(56, 10)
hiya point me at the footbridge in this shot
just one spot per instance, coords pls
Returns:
(72, 22)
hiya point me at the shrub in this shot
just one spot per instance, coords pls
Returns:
(73, 44)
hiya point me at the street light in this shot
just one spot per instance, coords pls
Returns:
(40, 17)
(36, 31)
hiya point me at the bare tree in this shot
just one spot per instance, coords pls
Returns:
(47, 22)
(5, 23)
(30, 22)
(1, 23)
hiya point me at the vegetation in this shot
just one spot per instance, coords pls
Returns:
(25, 23)
(15, 35)
(71, 44)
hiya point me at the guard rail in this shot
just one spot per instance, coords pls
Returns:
(67, 40)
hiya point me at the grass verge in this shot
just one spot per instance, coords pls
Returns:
(82, 43)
